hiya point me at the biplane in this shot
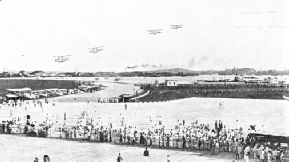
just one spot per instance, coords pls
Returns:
(158, 31)
(176, 26)
(95, 49)
(61, 59)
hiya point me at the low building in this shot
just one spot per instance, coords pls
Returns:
(171, 83)
(105, 74)
(124, 97)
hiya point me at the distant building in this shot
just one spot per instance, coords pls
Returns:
(51, 74)
(105, 74)
(85, 74)
(243, 71)
(38, 74)
(238, 71)
(171, 83)
(60, 75)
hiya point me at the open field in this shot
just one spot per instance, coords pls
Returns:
(172, 93)
(273, 114)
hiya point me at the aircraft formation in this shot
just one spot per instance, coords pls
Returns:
(94, 50)
(251, 27)
(176, 26)
(159, 31)
(258, 12)
(61, 59)
(259, 27)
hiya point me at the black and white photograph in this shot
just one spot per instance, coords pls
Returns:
(144, 80)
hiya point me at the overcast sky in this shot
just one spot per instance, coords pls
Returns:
(216, 34)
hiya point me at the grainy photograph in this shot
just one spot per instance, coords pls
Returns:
(144, 80)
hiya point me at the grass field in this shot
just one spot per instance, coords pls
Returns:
(273, 114)
(212, 91)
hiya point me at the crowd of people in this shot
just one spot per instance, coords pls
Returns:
(186, 135)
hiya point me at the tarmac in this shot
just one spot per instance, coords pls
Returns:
(24, 149)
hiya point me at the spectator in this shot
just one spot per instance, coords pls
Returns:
(46, 158)
(36, 160)
(168, 158)
(119, 158)
(146, 155)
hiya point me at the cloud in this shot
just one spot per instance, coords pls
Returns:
(147, 66)
(192, 63)
(208, 62)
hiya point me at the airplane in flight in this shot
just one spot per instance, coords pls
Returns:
(155, 31)
(61, 59)
(95, 49)
(176, 26)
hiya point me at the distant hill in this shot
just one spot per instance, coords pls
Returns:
(173, 70)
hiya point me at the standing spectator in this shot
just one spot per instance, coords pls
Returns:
(262, 155)
(237, 152)
(119, 158)
(46, 158)
(217, 147)
(3, 127)
(146, 155)
(36, 160)
(281, 154)
(184, 142)
(269, 156)
(247, 154)
(220, 125)
(216, 125)
(168, 158)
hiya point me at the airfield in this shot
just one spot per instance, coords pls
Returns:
(272, 114)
